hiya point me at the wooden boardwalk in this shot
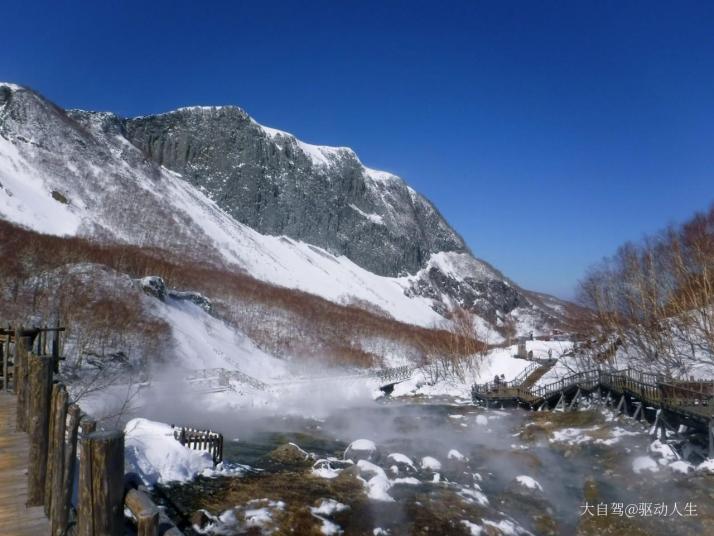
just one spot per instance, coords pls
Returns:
(15, 518)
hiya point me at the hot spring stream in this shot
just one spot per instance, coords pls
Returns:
(443, 467)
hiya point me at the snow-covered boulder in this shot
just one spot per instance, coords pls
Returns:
(456, 455)
(401, 463)
(329, 467)
(362, 449)
(430, 464)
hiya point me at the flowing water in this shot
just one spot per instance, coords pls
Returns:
(496, 471)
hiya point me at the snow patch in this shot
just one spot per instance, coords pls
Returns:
(377, 483)
(644, 463)
(374, 218)
(152, 452)
(529, 482)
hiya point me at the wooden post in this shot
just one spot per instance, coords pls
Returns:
(40, 376)
(575, 399)
(6, 364)
(621, 404)
(85, 526)
(711, 439)
(655, 425)
(104, 514)
(663, 427)
(145, 512)
(56, 388)
(55, 350)
(638, 412)
(560, 406)
(3, 355)
(21, 371)
(61, 502)
(56, 459)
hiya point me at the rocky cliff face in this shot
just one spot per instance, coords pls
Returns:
(278, 185)
(212, 184)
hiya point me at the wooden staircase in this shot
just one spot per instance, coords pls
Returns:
(536, 375)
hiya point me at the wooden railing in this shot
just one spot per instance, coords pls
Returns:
(586, 378)
(654, 389)
(506, 386)
(394, 374)
(66, 451)
(222, 378)
(211, 442)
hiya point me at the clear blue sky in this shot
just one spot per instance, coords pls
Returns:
(546, 132)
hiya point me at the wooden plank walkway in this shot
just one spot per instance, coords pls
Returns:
(15, 518)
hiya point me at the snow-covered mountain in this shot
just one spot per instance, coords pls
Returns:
(212, 184)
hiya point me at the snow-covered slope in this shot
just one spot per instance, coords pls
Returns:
(77, 174)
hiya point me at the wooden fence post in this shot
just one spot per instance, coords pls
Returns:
(40, 376)
(3, 354)
(21, 374)
(56, 388)
(145, 512)
(56, 458)
(85, 525)
(105, 511)
(55, 349)
(62, 502)
(7, 365)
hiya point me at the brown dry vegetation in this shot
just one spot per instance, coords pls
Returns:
(281, 320)
(655, 298)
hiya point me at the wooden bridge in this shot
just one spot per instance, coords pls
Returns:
(49, 449)
(665, 401)
(15, 517)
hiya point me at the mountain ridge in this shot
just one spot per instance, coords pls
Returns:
(114, 177)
